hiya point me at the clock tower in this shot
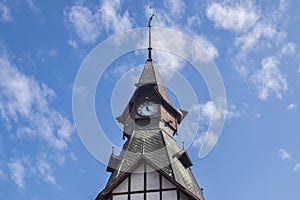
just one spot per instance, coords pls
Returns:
(151, 166)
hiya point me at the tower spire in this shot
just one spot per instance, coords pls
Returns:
(149, 27)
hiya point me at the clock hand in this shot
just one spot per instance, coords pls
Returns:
(147, 108)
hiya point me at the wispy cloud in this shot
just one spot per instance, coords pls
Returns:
(211, 111)
(283, 5)
(296, 167)
(89, 24)
(73, 43)
(27, 99)
(269, 79)
(237, 17)
(289, 49)
(195, 125)
(168, 17)
(255, 31)
(17, 171)
(33, 6)
(85, 23)
(249, 40)
(193, 21)
(283, 154)
(169, 61)
(45, 170)
(2, 175)
(112, 19)
(208, 138)
(29, 116)
(292, 106)
(175, 7)
(5, 12)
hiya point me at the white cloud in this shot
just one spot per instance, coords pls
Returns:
(86, 24)
(25, 168)
(17, 171)
(27, 100)
(166, 61)
(2, 175)
(211, 111)
(296, 167)
(73, 157)
(269, 79)
(283, 154)
(283, 5)
(250, 39)
(45, 170)
(190, 126)
(232, 112)
(209, 138)
(89, 25)
(237, 17)
(73, 44)
(257, 115)
(164, 18)
(198, 120)
(30, 4)
(292, 106)
(25, 106)
(245, 19)
(289, 48)
(176, 7)
(5, 13)
(207, 46)
(60, 159)
(52, 52)
(111, 17)
(255, 31)
(33, 7)
(193, 21)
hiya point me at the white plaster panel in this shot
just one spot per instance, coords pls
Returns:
(139, 169)
(152, 180)
(137, 181)
(167, 195)
(153, 196)
(120, 197)
(167, 184)
(149, 168)
(123, 187)
(139, 196)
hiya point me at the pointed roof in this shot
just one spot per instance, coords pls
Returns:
(161, 149)
(151, 75)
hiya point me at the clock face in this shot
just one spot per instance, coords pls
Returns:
(147, 108)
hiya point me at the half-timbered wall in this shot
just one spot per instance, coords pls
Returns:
(146, 184)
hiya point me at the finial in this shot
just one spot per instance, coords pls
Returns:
(112, 150)
(143, 150)
(182, 145)
(149, 26)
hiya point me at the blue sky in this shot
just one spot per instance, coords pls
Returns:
(254, 44)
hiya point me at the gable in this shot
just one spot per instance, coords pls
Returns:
(145, 181)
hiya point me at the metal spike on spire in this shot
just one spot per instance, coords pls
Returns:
(149, 26)
(112, 150)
